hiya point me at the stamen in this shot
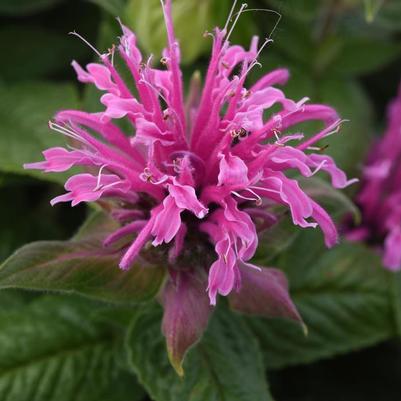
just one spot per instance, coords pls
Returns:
(318, 148)
(246, 93)
(243, 6)
(99, 176)
(230, 15)
(207, 33)
(277, 134)
(67, 132)
(321, 164)
(147, 176)
(268, 11)
(323, 134)
(86, 42)
(225, 255)
(266, 189)
(111, 53)
(238, 133)
(257, 199)
(255, 60)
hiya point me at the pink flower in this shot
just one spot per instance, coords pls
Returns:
(196, 175)
(380, 196)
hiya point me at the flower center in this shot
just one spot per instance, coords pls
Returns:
(194, 163)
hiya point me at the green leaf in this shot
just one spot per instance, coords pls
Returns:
(25, 7)
(48, 52)
(146, 18)
(114, 7)
(396, 297)
(303, 10)
(276, 240)
(358, 56)
(343, 296)
(81, 265)
(372, 7)
(350, 145)
(25, 110)
(225, 366)
(55, 348)
(389, 15)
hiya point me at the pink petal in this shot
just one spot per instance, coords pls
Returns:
(392, 250)
(167, 222)
(233, 172)
(185, 198)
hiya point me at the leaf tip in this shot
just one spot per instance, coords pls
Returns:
(305, 329)
(176, 363)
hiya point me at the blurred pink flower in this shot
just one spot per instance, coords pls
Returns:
(380, 196)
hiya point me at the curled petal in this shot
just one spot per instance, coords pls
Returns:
(326, 163)
(59, 159)
(167, 222)
(223, 274)
(89, 188)
(98, 75)
(233, 172)
(326, 224)
(185, 198)
(118, 107)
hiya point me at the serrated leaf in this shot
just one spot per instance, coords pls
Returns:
(56, 349)
(25, 109)
(81, 265)
(225, 366)
(343, 295)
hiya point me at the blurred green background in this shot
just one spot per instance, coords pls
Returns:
(346, 53)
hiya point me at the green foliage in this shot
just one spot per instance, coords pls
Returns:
(146, 18)
(343, 296)
(225, 366)
(25, 109)
(25, 7)
(82, 266)
(56, 348)
(37, 42)
(362, 55)
(69, 348)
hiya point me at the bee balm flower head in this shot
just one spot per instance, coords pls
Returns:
(193, 177)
